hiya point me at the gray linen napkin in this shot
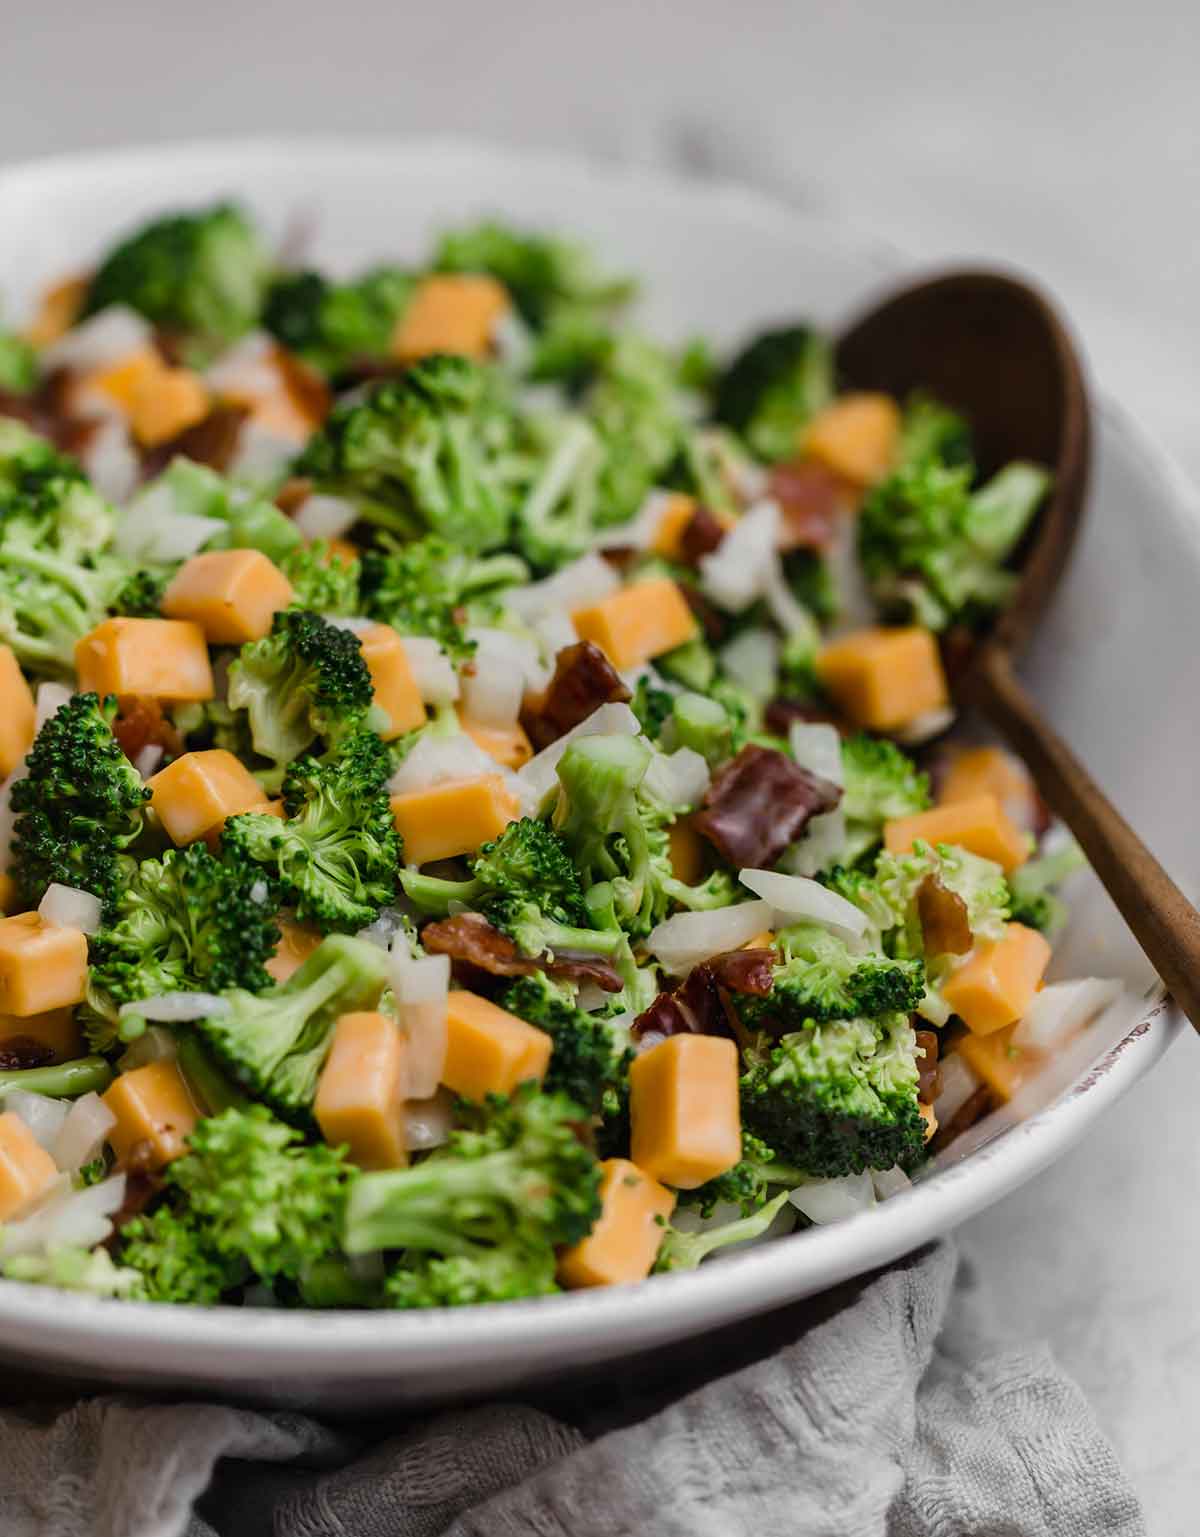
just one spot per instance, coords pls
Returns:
(897, 1414)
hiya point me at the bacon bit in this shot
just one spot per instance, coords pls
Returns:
(744, 971)
(811, 501)
(471, 939)
(142, 1185)
(20, 1051)
(974, 1109)
(700, 1005)
(292, 495)
(712, 621)
(700, 535)
(663, 1017)
(140, 723)
(929, 1073)
(571, 966)
(305, 387)
(944, 921)
(783, 711)
(760, 802)
(583, 680)
(212, 441)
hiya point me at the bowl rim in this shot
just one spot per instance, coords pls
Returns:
(291, 1343)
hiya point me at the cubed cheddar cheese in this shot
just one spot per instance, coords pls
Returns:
(10, 897)
(361, 1091)
(283, 395)
(56, 1029)
(155, 1114)
(677, 512)
(192, 796)
(163, 658)
(341, 550)
(18, 716)
(884, 678)
(637, 623)
(683, 1109)
(160, 401)
(996, 983)
(296, 944)
(453, 818)
(979, 825)
(450, 312)
(856, 437)
(1002, 1066)
(488, 1050)
(26, 1169)
(42, 965)
(233, 595)
(624, 1243)
(686, 851)
(509, 745)
(762, 941)
(57, 311)
(396, 691)
(123, 380)
(926, 1113)
(978, 771)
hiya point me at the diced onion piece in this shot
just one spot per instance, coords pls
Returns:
(740, 569)
(153, 528)
(855, 606)
(149, 758)
(44, 1116)
(795, 896)
(427, 1122)
(786, 609)
(104, 338)
(576, 585)
(246, 368)
(926, 727)
(959, 1082)
(817, 747)
(823, 841)
(1062, 1009)
(512, 341)
(83, 1132)
(421, 986)
(680, 778)
(752, 659)
(541, 771)
(436, 680)
(890, 1182)
(554, 631)
(66, 907)
(686, 939)
(492, 688)
(833, 1200)
(155, 1044)
(639, 532)
(325, 517)
(50, 699)
(110, 459)
(438, 760)
(177, 1008)
(261, 454)
(66, 1218)
(383, 931)
(520, 651)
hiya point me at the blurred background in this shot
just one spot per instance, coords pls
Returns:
(1063, 137)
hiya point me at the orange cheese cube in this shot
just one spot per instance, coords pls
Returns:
(453, 818)
(396, 691)
(192, 796)
(341, 550)
(361, 1091)
(488, 1050)
(686, 851)
(42, 966)
(296, 944)
(509, 745)
(762, 941)
(624, 1243)
(637, 623)
(884, 678)
(677, 513)
(124, 380)
(991, 771)
(56, 1029)
(995, 984)
(26, 1169)
(18, 716)
(233, 595)
(165, 406)
(450, 312)
(683, 1109)
(930, 1119)
(57, 311)
(164, 658)
(1003, 1066)
(155, 1114)
(856, 437)
(978, 825)
(10, 897)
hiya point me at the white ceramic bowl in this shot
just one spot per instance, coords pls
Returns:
(1114, 667)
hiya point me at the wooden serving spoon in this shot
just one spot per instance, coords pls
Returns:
(995, 349)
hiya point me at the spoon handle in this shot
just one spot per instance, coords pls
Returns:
(1163, 921)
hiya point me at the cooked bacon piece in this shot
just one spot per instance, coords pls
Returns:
(212, 441)
(744, 971)
(20, 1051)
(980, 1103)
(758, 803)
(943, 916)
(782, 711)
(663, 1017)
(142, 1183)
(140, 723)
(701, 535)
(292, 495)
(583, 680)
(471, 939)
(929, 1073)
(700, 1004)
(304, 386)
(811, 500)
(711, 619)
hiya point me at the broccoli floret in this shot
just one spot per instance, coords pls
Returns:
(428, 452)
(304, 681)
(704, 725)
(820, 979)
(18, 364)
(838, 1098)
(202, 274)
(75, 1270)
(934, 550)
(591, 1057)
(335, 857)
(422, 588)
(774, 387)
(184, 921)
(931, 430)
(556, 516)
(335, 325)
(274, 1042)
(491, 1206)
(79, 805)
(1031, 888)
(684, 1251)
(195, 490)
(810, 575)
(167, 1249)
(881, 782)
(653, 707)
(747, 1184)
(323, 581)
(635, 409)
(141, 596)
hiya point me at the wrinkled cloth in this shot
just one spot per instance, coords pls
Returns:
(884, 1409)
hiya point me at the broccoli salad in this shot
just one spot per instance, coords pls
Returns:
(478, 819)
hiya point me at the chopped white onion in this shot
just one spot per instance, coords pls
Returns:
(383, 931)
(43, 1116)
(155, 1044)
(325, 517)
(741, 568)
(680, 778)
(83, 1133)
(427, 1122)
(438, 760)
(521, 651)
(795, 896)
(177, 1008)
(261, 453)
(640, 531)
(959, 1082)
(1062, 1009)
(752, 659)
(577, 584)
(104, 338)
(259, 892)
(50, 699)
(686, 939)
(786, 609)
(422, 986)
(855, 606)
(890, 1182)
(66, 1218)
(66, 907)
(925, 727)
(433, 673)
(110, 459)
(541, 771)
(555, 631)
(149, 758)
(817, 747)
(591, 996)
(492, 688)
(247, 368)
(152, 527)
(512, 341)
(833, 1200)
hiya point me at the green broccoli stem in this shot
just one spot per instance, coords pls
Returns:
(61, 1080)
(434, 896)
(205, 1079)
(684, 1251)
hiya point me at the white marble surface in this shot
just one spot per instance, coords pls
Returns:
(1063, 137)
